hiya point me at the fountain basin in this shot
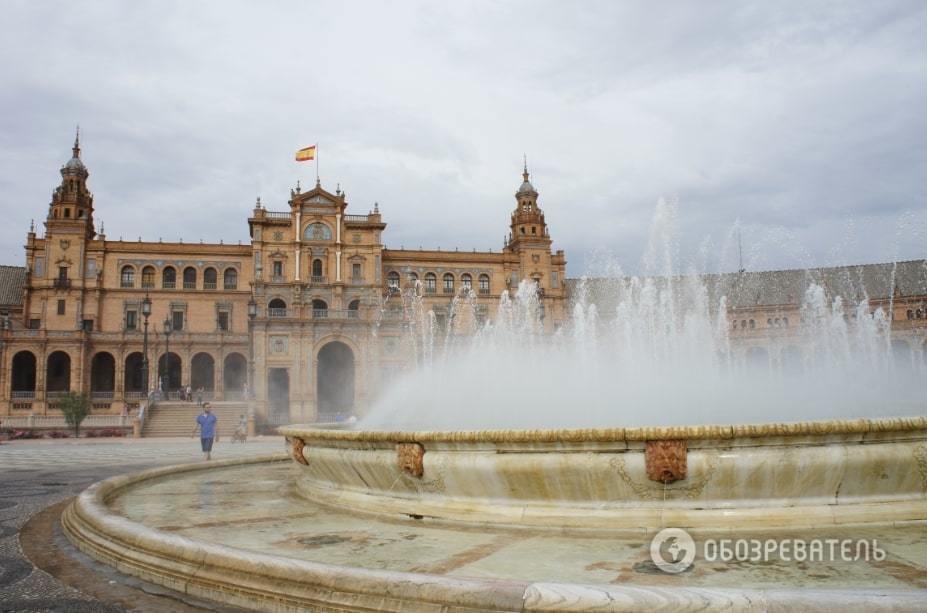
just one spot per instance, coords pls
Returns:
(794, 475)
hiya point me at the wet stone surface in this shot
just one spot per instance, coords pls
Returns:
(35, 475)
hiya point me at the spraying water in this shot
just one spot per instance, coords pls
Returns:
(660, 349)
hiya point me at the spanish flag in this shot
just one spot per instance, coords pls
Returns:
(304, 155)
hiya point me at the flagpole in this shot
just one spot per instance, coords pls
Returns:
(317, 163)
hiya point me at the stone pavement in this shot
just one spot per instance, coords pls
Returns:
(37, 474)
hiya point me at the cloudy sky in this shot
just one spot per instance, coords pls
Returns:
(804, 122)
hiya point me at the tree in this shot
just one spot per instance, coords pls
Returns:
(75, 408)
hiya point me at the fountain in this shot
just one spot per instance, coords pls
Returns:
(652, 417)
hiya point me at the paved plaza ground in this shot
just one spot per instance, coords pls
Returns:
(37, 476)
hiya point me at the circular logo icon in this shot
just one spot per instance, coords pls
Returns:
(672, 550)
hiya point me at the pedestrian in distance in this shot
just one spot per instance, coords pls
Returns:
(206, 424)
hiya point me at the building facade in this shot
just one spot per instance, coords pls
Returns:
(313, 318)
(307, 322)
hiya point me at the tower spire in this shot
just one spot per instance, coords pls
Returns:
(76, 148)
(525, 173)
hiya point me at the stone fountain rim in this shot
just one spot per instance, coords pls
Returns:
(604, 435)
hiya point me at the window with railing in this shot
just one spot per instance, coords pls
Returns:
(189, 278)
(448, 283)
(177, 318)
(431, 283)
(169, 278)
(353, 309)
(148, 277)
(230, 278)
(319, 309)
(466, 281)
(276, 308)
(131, 320)
(222, 321)
(484, 284)
(392, 280)
(209, 278)
(127, 277)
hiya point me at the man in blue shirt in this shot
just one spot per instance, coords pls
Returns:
(206, 424)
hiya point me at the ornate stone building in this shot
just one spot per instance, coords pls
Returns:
(312, 318)
(311, 312)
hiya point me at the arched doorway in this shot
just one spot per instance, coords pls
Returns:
(335, 382)
(134, 382)
(278, 395)
(58, 373)
(169, 372)
(23, 376)
(102, 375)
(202, 372)
(234, 375)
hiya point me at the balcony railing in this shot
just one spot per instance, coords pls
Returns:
(484, 291)
(56, 394)
(277, 214)
(277, 279)
(127, 284)
(319, 279)
(208, 285)
(61, 283)
(168, 284)
(357, 280)
(136, 395)
(319, 313)
(101, 395)
(23, 394)
(148, 284)
(231, 285)
(430, 290)
(360, 218)
(189, 284)
(448, 290)
(276, 312)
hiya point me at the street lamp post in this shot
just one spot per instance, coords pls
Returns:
(252, 313)
(146, 313)
(166, 379)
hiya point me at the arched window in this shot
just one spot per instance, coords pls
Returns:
(317, 232)
(413, 278)
(466, 281)
(752, 324)
(276, 308)
(448, 283)
(127, 277)
(189, 278)
(910, 314)
(209, 278)
(431, 283)
(392, 280)
(317, 270)
(353, 309)
(319, 309)
(743, 324)
(230, 278)
(148, 277)
(484, 284)
(169, 278)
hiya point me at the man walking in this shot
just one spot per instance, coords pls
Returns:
(206, 423)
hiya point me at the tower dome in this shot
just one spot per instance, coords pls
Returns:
(74, 166)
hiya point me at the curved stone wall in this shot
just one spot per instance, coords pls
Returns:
(771, 475)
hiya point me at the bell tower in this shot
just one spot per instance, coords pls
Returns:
(528, 225)
(71, 208)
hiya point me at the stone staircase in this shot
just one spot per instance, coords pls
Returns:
(178, 418)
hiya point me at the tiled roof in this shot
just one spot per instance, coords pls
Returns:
(782, 287)
(12, 281)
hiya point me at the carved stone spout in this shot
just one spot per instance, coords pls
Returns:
(665, 460)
